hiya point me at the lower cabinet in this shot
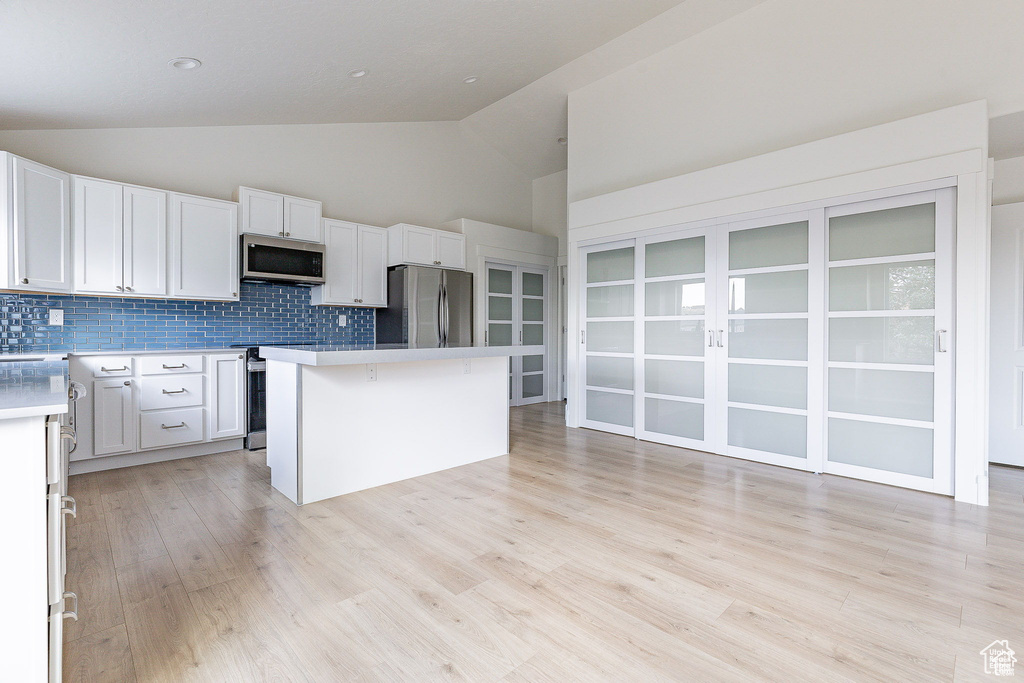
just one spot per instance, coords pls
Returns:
(154, 401)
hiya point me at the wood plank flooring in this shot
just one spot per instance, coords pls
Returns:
(583, 556)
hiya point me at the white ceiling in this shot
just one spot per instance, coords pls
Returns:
(103, 63)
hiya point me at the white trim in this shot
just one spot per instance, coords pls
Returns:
(899, 367)
(880, 419)
(764, 408)
(881, 260)
(890, 313)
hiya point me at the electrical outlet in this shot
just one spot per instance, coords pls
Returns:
(342, 320)
(371, 372)
(56, 316)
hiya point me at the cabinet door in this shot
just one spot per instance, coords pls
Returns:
(227, 395)
(42, 229)
(373, 271)
(302, 219)
(262, 212)
(451, 250)
(98, 243)
(204, 248)
(145, 241)
(418, 246)
(341, 264)
(113, 416)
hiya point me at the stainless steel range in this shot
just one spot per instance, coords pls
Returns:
(256, 392)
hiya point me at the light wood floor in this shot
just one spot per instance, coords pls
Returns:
(582, 556)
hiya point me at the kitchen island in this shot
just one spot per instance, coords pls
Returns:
(347, 418)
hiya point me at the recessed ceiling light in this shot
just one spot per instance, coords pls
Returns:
(185, 63)
(562, 141)
(357, 73)
(470, 79)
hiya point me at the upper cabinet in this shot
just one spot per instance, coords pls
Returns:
(416, 245)
(35, 204)
(279, 215)
(356, 263)
(204, 248)
(120, 238)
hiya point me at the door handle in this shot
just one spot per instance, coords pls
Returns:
(70, 613)
(939, 346)
(583, 336)
(179, 391)
(711, 338)
(720, 344)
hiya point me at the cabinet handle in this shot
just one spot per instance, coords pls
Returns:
(939, 346)
(240, 357)
(234, 293)
(179, 391)
(119, 288)
(173, 367)
(287, 234)
(177, 426)
(70, 613)
(24, 280)
(120, 369)
(281, 234)
(128, 383)
(70, 507)
(129, 289)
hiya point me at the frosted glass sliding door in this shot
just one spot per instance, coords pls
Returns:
(516, 315)
(675, 371)
(889, 340)
(607, 336)
(768, 339)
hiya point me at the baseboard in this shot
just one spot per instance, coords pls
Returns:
(113, 462)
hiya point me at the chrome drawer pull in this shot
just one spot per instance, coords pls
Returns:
(71, 613)
(172, 426)
(70, 507)
(103, 369)
(179, 391)
(173, 367)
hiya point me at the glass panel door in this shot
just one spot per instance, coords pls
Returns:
(516, 315)
(675, 375)
(500, 330)
(889, 323)
(607, 336)
(769, 317)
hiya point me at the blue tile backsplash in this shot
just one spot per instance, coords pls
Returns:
(264, 313)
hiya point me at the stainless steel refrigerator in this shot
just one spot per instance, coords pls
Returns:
(427, 307)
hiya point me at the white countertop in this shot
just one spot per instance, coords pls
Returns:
(152, 351)
(33, 384)
(358, 354)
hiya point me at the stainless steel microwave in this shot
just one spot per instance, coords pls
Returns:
(271, 259)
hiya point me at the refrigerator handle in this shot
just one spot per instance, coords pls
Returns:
(440, 315)
(444, 291)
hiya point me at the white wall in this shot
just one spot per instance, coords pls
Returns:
(375, 173)
(787, 72)
(550, 208)
(1008, 181)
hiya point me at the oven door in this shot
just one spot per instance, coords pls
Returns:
(277, 260)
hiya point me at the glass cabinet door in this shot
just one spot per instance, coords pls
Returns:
(763, 339)
(889, 323)
(675, 372)
(608, 336)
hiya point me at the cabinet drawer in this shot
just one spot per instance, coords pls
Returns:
(109, 366)
(156, 393)
(171, 427)
(166, 365)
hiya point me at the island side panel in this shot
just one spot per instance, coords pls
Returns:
(283, 411)
(413, 419)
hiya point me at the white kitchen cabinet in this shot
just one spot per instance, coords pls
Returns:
(35, 207)
(120, 238)
(279, 215)
(416, 245)
(113, 416)
(227, 395)
(204, 248)
(356, 265)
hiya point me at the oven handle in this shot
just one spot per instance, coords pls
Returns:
(256, 366)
